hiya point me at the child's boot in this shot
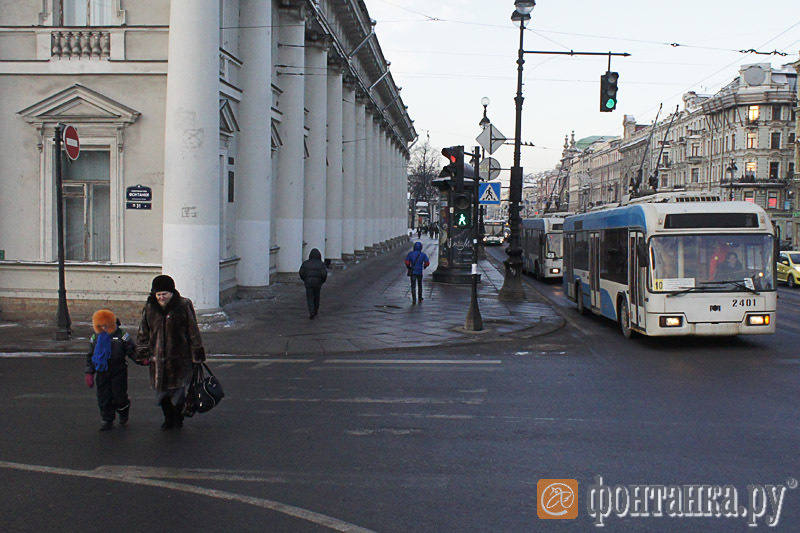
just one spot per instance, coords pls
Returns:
(124, 413)
(105, 425)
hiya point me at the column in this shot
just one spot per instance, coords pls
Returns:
(333, 208)
(190, 241)
(369, 182)
(289, 183)
(314, 202)
(348, 171)
(254, 176)
(360, 200)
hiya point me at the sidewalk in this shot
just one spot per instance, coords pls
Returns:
(366, 307)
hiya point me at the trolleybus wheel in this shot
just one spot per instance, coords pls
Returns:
(625, 320)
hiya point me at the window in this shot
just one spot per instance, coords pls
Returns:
(776, 112)
(748, 197)
(614, 255)
(86, 12)
(695, 175)
(772, 200)
(695, 150)
(752, 140)
(775, 140)
(87, 206)
(752, 113)
(774, 167)
(791, 139)
(750, 170)
(581, 251)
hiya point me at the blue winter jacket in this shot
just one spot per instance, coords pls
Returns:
(417, 260)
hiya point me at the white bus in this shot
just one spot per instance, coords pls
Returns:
(674, 264)
(494, 231)
(543, 246)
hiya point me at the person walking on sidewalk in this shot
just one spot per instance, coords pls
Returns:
(106, 365)
(416, 262)
(313, 273)
(170, 339)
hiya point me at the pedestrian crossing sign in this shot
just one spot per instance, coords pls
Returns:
(489, 194)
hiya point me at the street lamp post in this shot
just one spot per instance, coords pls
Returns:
(484, 123)
(512, 284)
(732, 168)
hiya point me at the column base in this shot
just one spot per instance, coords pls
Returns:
(254, 293)
(211, 316)
(338, 264)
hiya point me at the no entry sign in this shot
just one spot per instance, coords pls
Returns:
(72, 144)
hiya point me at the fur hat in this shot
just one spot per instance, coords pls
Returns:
(163, 283)
(104, 317)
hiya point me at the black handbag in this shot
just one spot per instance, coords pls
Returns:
(204, 392)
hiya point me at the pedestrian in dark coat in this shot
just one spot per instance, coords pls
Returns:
(106, 365)
(313, 273)
(416, 262)
(170, 339)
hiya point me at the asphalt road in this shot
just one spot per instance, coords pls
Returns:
(424, 441)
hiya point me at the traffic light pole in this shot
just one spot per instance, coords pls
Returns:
(474, 322)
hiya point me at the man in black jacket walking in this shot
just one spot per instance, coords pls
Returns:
(313, 273)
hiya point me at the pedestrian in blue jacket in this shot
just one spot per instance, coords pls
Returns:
(416, 262)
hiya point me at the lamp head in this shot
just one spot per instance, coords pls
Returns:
(485, 101)
(521, 18)
(524, 7)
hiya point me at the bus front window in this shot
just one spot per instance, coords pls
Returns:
(555, 245)
(693, 261)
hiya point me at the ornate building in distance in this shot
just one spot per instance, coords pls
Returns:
(740, 143)
(221, 140)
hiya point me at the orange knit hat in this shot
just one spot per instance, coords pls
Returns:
(104, 317)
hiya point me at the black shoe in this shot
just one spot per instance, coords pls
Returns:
(312, 315)
(166, 408)
(177, 418)
(105, 425)
(413, 301)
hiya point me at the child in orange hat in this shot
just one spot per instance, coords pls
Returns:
(108, 348)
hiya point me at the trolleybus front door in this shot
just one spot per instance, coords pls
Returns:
(637, 277)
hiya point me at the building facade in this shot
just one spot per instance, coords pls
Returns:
(220, 142)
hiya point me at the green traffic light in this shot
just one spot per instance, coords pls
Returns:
(610, 103)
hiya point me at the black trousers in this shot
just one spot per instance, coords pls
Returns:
(112, 392)
(312, 299)
(416, 281)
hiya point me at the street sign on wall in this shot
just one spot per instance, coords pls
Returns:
(72, 144)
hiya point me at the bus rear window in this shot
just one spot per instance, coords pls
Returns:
(711, 220)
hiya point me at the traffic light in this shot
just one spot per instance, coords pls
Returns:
(457, 169)
(608, 91)
(462, 210)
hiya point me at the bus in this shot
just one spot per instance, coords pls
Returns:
(542, 246)
(494, 231)
(674, 264)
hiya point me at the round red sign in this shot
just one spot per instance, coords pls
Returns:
(72, 145)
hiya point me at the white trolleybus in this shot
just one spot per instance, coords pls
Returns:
(674, 264)
(494, 231)
(543, 246)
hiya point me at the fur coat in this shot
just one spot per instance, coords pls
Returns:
(171, 339)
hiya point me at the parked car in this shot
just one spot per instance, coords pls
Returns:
(789, 268)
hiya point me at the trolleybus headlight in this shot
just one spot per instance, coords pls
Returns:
(758, 320)
(670, 321)
(555, 271)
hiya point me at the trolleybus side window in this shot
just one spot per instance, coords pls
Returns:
(581, 256)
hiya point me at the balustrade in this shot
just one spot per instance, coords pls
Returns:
(69, 44)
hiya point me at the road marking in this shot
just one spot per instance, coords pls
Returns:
(413, 362)
(261, 360)
(412, 401)
(133, 476)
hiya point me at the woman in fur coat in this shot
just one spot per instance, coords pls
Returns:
(170, 338)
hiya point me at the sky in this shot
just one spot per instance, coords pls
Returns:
(449, 54)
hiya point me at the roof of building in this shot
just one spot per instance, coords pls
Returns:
(586, 142)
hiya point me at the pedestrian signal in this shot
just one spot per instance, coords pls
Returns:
(462, 210)
(608, 91)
